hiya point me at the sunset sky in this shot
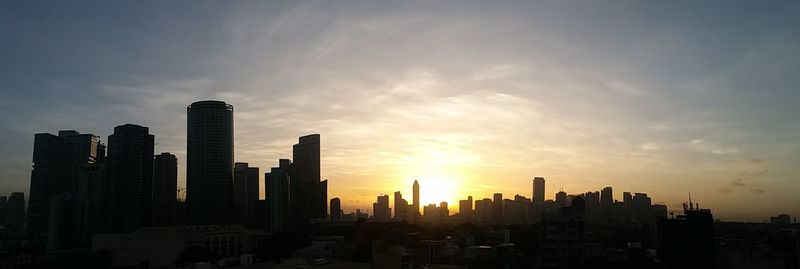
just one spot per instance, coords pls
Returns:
(662, 97)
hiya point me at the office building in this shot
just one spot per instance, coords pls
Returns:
(336, 209)
(607, 204)
(311, 194)
(129, 182)
(59, 162)
(465, 208)
(209, 162)
(245, 194)
(380, 209)
(416, 205)
(400, 206)
(538, 190)
(165, 186)
(279, 200)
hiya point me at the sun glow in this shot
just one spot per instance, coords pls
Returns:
(437, 189)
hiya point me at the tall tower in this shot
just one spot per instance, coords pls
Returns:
(209, 162)
(129, 178)
(165, 185)
(415, 189)
(279, 200)
(538, 190)
(245, 193)
(607, 203)
(336, 209)
(311, 194)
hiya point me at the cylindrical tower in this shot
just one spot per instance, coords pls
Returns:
(209, 162)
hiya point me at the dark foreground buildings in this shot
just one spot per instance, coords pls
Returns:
(310, 194)
(129, 178)
(209, 162)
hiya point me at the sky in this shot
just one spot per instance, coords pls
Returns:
(470, 97)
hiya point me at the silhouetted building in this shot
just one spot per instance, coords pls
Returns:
(400, 206)
(561, 199)
(687, 241)
(209, 162)
(336, 209)
(68, 226)
(538, 190)
(497, 206)
(660, 211)
(279, 199)
(129, 181)
(781, 219)
(245, 186)
(592, 200)
(483, 209)
(311, 194)
(641, 209)
(165, 186)
(562, 236)
(517, 210)
(628, 200)
(14, 209)
(465, 208)
(434, 213)
(58, 165)
(607, 204)
(416, 205)
(380, 209)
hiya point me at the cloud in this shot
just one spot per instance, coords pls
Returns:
(725, 191)
(650, 146)
(710, 147)
(757, 191)
(737, 183)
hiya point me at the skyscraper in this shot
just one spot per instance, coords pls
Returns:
(311, 201)
(497, 206)
(336, 209)
(245, 196)
(465, 208)
(165, 186)
(209, 162)
(400, 206)
(380, 209)
(279, 196)
(15, 209)
(538, 190)
(415, 190)
(607, 204)
(58, 163)
(129, 190)
(561, 199)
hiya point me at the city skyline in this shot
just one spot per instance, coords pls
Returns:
(470, 100)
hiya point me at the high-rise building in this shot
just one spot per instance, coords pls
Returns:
(68, 226)
(336, 209)
(607, 204)
(561, 199)
(209, 162)
(465, 208)
(165, 186)
(311, 194)
(483, 209)
(245, 187)
(400, 206)
(628, 200)
(129, 189)
(415, 190)
(279, 200)
(59, 163)
(686, 241)
(380, 209)
(15, 209)
(641, 209)
(497, 206)
(538, 190)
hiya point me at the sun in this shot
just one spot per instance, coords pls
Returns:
(437, 189)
